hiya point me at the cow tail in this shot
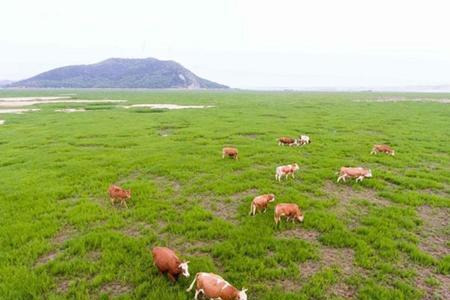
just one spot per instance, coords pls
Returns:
(192, 284)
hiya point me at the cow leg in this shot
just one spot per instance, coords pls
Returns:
(196, 294)
(293, 175)
(112, 201)
(124, 203)
(171, 277)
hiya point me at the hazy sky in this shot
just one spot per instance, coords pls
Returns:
(239, 43)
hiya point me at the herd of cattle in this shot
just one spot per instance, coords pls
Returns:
(212, 285)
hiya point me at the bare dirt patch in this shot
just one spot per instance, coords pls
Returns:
(347, 206)
(244, 194)
(136, 229)
(342, 258)
(343, 290)
(131, 231)
(194, 248)
(286, 284)
(432, 292)
(64, 234)
(226, 207)
(130, 177)
(434, 230)
(62, 286)
(301, 233)
(252, 136)
(48, 257)
(94, 255)
(162, 182)
(309, 268)
(115, 288)
(347, 193)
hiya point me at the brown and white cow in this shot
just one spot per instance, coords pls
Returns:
(230, 152)
(289, 210)
(359, 173)
(119, 194)
(383, 149)
(215, 287)
(168, 262)
(260, 203)
(287, 141)
(303, 140)
(286, 170)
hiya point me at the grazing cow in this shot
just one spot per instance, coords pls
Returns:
(286, 170)
(260, 203)
(304, 139)
(288, 210)
(168, 262)
(118, 194)
(230, 152)
(287, 141)
(215, 287)
(383, 149)
(358, 173)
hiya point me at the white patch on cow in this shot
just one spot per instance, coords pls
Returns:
(166, 106)
(2, 122)
(184, 269)
(243, 294)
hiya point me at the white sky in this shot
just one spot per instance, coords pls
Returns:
(247, 43)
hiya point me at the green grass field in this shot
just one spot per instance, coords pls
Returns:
(384, 238)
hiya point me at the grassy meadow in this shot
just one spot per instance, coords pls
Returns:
(384, 238)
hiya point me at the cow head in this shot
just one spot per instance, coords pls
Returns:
(272, 197)
(184, 269)
(369, 173)
(295, 167)
(301, 217)
(393, 152)
(128, 193)
(242, 294)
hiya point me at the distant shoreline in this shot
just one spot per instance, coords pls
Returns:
(251, 89)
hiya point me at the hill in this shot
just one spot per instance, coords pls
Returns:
(5, 82)
(120, 73)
